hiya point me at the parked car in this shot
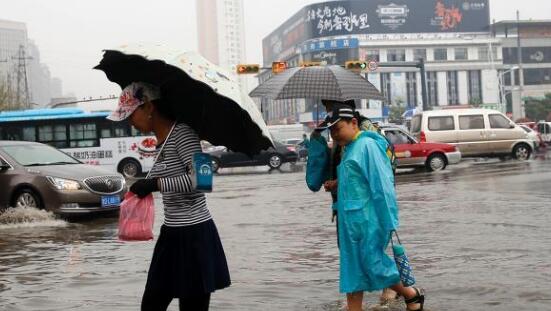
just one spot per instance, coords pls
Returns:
(533, 135)
(476, 132)
(544, 128)
(273, 157)
(411, 153)
(35, 175)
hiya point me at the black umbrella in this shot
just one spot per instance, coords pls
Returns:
(320, 82)
(196, 92)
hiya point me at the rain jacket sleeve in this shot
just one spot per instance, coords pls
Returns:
(378, 172)
(317, 167)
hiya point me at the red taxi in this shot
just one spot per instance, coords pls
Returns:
(410, 153)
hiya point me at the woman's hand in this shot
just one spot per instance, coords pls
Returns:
(143, 187)
(330, 185)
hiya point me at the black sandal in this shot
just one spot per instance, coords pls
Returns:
(419, 298)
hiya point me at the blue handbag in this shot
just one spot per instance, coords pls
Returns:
(402, 261)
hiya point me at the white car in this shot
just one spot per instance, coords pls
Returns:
(532, 136)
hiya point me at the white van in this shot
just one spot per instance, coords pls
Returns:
(476, 132)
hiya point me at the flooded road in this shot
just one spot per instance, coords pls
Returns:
(478, 236)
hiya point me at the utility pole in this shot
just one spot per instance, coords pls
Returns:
(22, 80)
(520, 68)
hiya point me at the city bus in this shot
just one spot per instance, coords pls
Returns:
(84, 135)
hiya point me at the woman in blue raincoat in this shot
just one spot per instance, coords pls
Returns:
(368, 212)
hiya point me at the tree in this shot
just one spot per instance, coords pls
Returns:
(538, 108)
(396, 110)
(476, 102)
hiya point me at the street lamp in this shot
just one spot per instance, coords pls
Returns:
(502, 87)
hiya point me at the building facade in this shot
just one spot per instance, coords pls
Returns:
(534, 39)
(453, 37)
(221, 33)
(27, 79)
(13, 43)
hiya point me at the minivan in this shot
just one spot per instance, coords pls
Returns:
(34, 175)
(476, 132)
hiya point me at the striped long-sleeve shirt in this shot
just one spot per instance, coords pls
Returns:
(182, 204)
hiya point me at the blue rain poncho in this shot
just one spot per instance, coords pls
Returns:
(317, 167)
(368, 212)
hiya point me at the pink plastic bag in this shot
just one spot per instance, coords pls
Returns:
(136, 218)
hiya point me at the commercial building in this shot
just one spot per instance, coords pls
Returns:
(221, 33)
(463, 58)
(534, 38)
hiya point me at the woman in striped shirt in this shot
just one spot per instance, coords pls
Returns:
(188, 262)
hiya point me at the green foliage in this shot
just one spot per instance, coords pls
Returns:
(396, 111)
(538, 108)
(476, 102)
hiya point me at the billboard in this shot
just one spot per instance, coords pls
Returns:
(342, 18)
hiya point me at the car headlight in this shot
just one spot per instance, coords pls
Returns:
(64, 184)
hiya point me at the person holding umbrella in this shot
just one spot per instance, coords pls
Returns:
(367, 210)
(330, 181)
(188, 261)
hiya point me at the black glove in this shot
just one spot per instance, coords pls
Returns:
(143, 187)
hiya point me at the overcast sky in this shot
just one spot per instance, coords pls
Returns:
(71, 33)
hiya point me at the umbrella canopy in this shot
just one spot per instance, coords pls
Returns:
(319, 82)
(197, 92)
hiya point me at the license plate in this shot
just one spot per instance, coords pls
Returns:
(109, 201)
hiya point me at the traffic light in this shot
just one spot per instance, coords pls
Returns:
(357, 65)
(310, 64)
(279, 67)
(247, 69)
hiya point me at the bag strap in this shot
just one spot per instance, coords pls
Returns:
(161, 150)
(397, 238)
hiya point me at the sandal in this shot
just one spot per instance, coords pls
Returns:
(419, 298)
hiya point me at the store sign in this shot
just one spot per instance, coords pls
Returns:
(330, 45)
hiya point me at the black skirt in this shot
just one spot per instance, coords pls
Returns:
(188, 261)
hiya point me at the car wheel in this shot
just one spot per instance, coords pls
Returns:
(436, 162)
(130, 168)
(522, 152)
(215, 165)
(275, 161)
(26, 198)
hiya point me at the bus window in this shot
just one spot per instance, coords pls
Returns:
(135, 133)
(83, 135)
(12, 132)
(105, 133)
(120, 129)
(53, 135)
(29, 133)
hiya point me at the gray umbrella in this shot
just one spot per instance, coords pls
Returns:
(319, 82)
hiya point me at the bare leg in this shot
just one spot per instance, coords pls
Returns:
(354, 301)
(387, 296)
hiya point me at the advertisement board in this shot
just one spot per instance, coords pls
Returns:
(343, 18)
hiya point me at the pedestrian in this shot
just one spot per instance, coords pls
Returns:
(367, 211)
(329, 181)
(188, 261)
(305, 141)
